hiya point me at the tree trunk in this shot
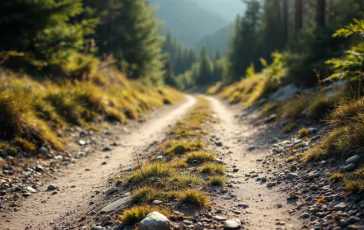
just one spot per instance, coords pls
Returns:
(285, 21)
(321, 13)
(298, 15)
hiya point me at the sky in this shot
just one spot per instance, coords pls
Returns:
(227, 9)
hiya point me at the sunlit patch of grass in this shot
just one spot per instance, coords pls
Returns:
(217, 180)
(320, 106)
(291, 158)
(336, 177)
(303, 133)
(24, 144)
(354, 182)
(200, 157)
(178, 163)
(212, 169)
(152, 172)
(194, 197)
(183, 181)
(270, 108)
(215, 89)
(138, 213)
(176, 147)
(147, 194)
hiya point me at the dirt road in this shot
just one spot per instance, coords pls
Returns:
(79, 182)
(267, 208)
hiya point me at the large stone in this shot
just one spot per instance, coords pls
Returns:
(232, 224)
(339, 206)
(111, 191)
(116, 205)
(155, 221)
(291, 176)
(219, 218)
(352, 160)
(284, 93)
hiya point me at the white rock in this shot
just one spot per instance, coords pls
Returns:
(352, 160)
(232, 224)
(155, 221)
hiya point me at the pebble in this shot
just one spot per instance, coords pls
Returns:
(353, 160)
(111, 191)
(232, 224)
(219, 218)
(51, 187)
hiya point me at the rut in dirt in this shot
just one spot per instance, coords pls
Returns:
(78, 183)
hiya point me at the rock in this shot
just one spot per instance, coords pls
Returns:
(271, 184)
(111, 191)
(339, 206)
(284, 93)
(291, 176)
(352, 220)
(218, 143)
(187, 222)
(155, 221)
(219, 218)
(156, 202)
(232, 224)
(243, 206)
(98, 228)
(251, 148)
(51, 187)
(305, 215)
(159, 158)
(44, 151)
(83, 134)
(312, 130)
(116, 205)
(82, 142)
(30, 189)
(314, 188)
(352, 160)
(217, 160)
(106, 149)
(118, 182)
(312, 175)
(39, 168)
(348, 167)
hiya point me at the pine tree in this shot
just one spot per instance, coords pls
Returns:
(130, 32)
(205, 70)
(43, 29)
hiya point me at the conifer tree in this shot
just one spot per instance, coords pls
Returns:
(205, 69)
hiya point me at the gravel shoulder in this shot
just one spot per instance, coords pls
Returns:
(76, 185)
(248, 198)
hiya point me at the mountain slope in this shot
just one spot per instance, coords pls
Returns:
(217, 41)
(187, 20)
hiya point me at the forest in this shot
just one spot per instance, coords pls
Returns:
(181, 114)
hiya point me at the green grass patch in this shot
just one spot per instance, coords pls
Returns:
(212, 169)
(183, 181)
(178, 147)
(200, 157)
(152, 173)
(194, 197)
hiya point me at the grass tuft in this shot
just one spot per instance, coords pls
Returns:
(303, 133)
(194, 197)
(217, 181)
(176, 147)
(200, 157)
(138, 213)
(152, 173)
(183, 181)
(212, 169)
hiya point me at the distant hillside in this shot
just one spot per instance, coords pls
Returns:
(217, 41)
(187, 20)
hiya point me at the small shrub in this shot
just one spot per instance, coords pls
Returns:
(320, 106)
(200, 157)
(178, 163)
(217, 180)
(354, 182)
(138, 213)
(194, 197)
(212, 168)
